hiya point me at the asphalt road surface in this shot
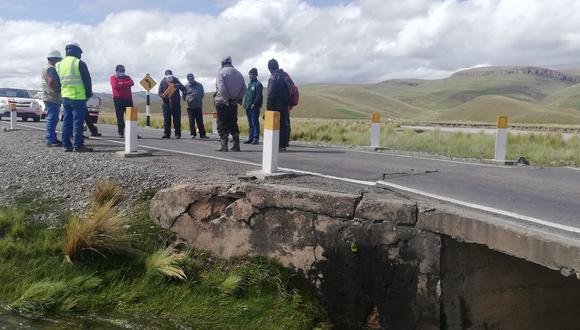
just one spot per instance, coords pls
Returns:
(547, 196)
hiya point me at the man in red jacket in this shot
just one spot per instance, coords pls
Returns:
(122, 97)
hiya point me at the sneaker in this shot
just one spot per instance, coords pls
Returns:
(121, 136)
(83, 148)
(56, 144)
(178, 137)
(282, 149)
(68, 150)
(256, 142)
(97, 134)
(138, 136)
(249, 142)
(166, 137)
(192, 136)
(204, 137)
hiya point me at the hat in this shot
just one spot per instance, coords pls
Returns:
(190, 76)
(72, 44)
(119, 67)
(168, 72)
(253, 71)
(273, 65)
(54, 54)
(227, 60)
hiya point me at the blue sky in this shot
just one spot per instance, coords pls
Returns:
(94, 11)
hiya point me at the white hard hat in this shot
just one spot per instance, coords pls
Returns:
(72, 43)
(54, 54)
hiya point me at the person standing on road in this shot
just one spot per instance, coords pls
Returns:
(122, 96)
(279, 100)
(51, 97)
(230, 90)
(76, 89)
(169, 92)
(252, 103)
(194, 98)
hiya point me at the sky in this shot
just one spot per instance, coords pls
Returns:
(316, 41)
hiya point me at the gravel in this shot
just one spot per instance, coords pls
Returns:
(27, 164)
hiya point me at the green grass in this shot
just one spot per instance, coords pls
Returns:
(35, 280)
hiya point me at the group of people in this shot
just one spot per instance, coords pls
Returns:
(67, 81)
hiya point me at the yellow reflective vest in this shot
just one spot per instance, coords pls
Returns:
(72, 86)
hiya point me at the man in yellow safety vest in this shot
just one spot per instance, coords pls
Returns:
(76, 89)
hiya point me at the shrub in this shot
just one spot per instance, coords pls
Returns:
(165, 262)
(105, 192)
(103, 233)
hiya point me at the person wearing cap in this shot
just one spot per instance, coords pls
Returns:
(194, 98)
(279, 100)
(122, 96)
(76, 89)
(169, 89)
(230, 90)
(51, 97)
(252, 104)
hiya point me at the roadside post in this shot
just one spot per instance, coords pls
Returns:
(131, 124)
(501, 138)
(13, 115)
(214, 130)
(376, 130)
(148, 83)
(271, 142)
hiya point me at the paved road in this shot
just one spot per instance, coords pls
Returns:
(550, 195)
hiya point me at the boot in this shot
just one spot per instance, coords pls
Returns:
(224, 147)
(236, 146)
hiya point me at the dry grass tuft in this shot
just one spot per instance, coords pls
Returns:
(103, 233)
(165, 262)
(105, 192)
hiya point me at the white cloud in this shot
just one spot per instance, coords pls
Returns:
(362, 42)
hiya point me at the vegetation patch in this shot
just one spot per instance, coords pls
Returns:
(120, 265)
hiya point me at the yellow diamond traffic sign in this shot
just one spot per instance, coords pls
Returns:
(148, 83)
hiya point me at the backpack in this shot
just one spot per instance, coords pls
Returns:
(293, 90)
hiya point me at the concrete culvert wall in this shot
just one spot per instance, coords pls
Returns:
(372, 266)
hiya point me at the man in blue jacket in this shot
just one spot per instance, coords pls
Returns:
(171, 104)
(252, 103)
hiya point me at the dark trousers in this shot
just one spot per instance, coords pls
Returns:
(253, 123)
(284, 126)
(195, 114)
(227, 120)
(169, 113)
(120, 108)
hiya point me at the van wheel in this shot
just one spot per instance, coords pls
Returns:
(24, 118)
(36, 119)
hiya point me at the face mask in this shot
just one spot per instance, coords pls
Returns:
(120, 74)
(169, 77)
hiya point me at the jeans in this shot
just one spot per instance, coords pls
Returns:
(196, 115)
(168, 114)
(253, 123)
(52, 114)
(227, 120)
(120, 108)
(75, 113)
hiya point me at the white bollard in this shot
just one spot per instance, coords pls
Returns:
(13, 115)
(501, 138)
(271, 142)
(214, 129)
(131, 129)
(376, 130)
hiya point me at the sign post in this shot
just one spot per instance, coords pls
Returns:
(376, 130)
(501, 138)
(13, 115)
(148, 83)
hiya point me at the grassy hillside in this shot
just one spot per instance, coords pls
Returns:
(487, 108)
(530, 94)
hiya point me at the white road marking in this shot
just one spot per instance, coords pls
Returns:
(371, 183)
(573, 168)
(482, 208)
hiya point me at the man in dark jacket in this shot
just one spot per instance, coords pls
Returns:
(169, 92)
(252, 104)
(194, 98)
(279, 100)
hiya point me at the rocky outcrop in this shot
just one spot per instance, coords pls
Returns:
(361, 252)
(525, 70)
